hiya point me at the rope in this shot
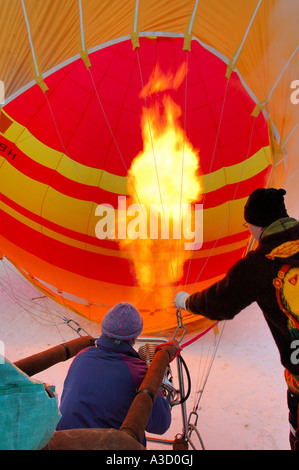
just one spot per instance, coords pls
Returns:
(200, 335)
(209, 370)
(30, 306)
(210, 170)
(230, 209)
(164, 283)
(183, 159)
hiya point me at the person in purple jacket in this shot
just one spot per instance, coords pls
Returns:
(102, 380)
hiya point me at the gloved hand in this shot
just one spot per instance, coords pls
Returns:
(180, 300)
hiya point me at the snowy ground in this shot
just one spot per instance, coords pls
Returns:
(243, 406)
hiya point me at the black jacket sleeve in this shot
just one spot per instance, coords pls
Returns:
(226, 298)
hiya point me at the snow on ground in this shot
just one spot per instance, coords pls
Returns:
(243, 406)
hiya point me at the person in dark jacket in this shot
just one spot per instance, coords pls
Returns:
(102, 381)
(268, 275)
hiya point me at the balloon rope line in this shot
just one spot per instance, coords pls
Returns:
(210, 169)
(47, 189)
(120, 154)
(216, 140)
(22, 300)
(230, 208)
(164, 283)
(289, 135)
(15, 292)
(92, 198)
(209, 370)
(155, 161)
(65, 149)
(25, 302)
(80, 176)
(107, 120)
(182, 170)
(205, 357)
(30, 39)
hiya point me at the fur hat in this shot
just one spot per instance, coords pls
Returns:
(264, 206)
(123, 322)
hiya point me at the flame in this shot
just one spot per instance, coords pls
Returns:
(159, 82)
(165, 172)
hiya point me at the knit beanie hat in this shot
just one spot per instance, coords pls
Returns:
(123, 322)
(264, 206)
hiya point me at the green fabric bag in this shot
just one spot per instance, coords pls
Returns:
(28, 415)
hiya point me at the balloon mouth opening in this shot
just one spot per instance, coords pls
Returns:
(86, 143)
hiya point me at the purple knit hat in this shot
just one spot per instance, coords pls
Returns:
(123, 321)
